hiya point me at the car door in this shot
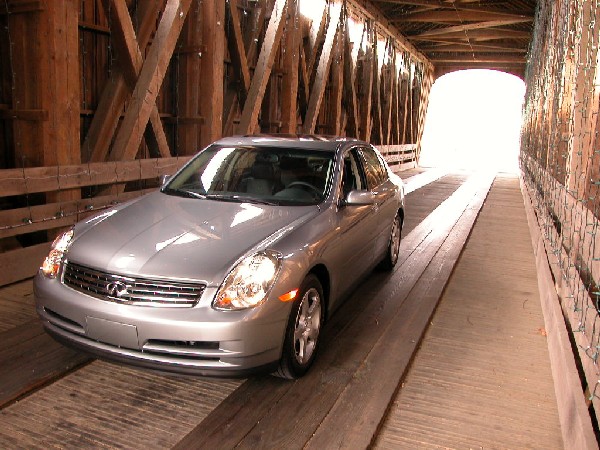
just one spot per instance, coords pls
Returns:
(351, 253)
(385, 207)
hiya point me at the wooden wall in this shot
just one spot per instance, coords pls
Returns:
(100, 97)
(560, 161)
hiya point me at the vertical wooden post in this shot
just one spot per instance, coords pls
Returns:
(211, 84)
(59, 79)
(291, 58)
(367, 82)
(188, 90)
(337, 84)
(352, 126)
(423, 104)
(376, 135)
(404, 92)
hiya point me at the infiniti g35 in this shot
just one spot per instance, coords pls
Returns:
(234, 265)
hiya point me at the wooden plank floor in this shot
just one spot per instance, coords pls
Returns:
(481, 378)
(102, 405)
(16, 305)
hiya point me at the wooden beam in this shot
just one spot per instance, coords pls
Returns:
(367, 88)
(108, 112)
(403, 106)
(477, 34)
(131, 60)
(250, 38)
(61, 214)
(470, 26)
(291, 60)
(316, 35)
(211, 85)
(304, 85)
(263, 68)
(449, 16)
(478, 57)
(376, 134)
(60, 93)
(337, 84)
(426, 84)
(318, 88)
(452, 47)
(237, 53)
(349, 85)
(372, 12)
(461, 6)
(395, 119)
(388, 96)
(189, 79)
(153, 71)
(53, 178)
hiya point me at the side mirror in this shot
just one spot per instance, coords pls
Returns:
(163, 179)
(359, 198)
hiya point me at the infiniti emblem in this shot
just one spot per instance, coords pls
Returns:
(117, 289)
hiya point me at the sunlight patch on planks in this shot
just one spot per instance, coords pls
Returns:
(481, 378)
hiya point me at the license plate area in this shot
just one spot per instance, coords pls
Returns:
(113, 333)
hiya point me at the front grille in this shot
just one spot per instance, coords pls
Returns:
(131, 290)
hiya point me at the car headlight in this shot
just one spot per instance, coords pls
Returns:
(51, 264)
(249, 282)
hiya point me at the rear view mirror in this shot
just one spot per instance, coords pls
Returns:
(359, 198)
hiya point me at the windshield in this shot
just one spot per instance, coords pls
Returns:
(271, 175)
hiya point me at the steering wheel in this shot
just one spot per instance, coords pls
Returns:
(303, 184)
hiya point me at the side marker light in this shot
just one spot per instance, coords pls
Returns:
(289, 296)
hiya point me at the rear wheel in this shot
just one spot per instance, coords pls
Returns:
(393, 251)
(302, 333)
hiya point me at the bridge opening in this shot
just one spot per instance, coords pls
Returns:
(474, 121)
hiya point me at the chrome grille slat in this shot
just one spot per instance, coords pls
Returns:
(139, 291)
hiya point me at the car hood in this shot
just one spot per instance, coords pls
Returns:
(167, 236)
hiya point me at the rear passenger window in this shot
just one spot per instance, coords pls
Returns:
(374, 170)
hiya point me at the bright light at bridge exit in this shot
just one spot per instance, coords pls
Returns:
(474, 121)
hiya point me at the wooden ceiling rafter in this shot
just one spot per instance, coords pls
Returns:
(464, 33)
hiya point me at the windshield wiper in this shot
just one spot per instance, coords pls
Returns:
(184, 193)
(238, 199)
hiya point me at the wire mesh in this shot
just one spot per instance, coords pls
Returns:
(560, 161)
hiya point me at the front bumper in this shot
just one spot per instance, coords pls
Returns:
(197, 340)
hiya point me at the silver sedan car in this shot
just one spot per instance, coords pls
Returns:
(234, 265)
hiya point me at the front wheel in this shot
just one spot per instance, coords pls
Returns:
(393, 250)
(302, 333)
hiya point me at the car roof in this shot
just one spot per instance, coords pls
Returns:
(314, 142)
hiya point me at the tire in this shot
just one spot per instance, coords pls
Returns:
(302, 332)
(391, 255)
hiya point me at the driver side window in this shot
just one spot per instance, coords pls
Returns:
(352, 177)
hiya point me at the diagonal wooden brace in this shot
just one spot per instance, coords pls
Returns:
(131, 61)
(150, 80)
(115, 93)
